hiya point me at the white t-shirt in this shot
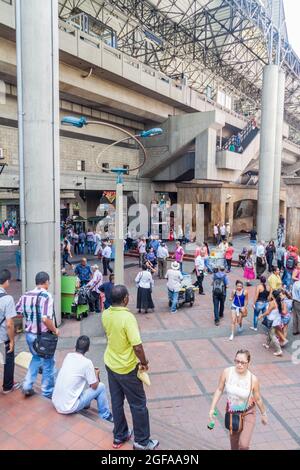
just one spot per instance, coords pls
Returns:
(76, 372)
(144, 279)
(260, 251)
(106, 253)
(174, 277)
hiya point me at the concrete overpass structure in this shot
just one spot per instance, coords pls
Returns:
(102, 82)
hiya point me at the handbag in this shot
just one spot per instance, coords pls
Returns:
(234, 421)
(45, 343)
(267, 323)
(244, 310)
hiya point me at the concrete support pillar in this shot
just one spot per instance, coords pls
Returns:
(278, 152)
(38, 116)
(205, 154)
(293, 226)
(267, 152)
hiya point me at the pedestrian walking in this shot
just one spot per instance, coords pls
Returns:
(66, 253)
(37, 306)
(106, 253)
(7, 332)
(274, 281)
(249, 273)
(174, 278)
(219, 288)
(291, 259)
(82, 238)
(270, 252)
(253, 237)
(90, 242)
(228, 257)
(223, 231)
(273, 315)
(261, 301)
(75, 241)
(200, 270)
(144, 283)
(217, 234)
(162, 257)
(179, 254)
(239, 298)
(98, 241)
(124, 357)
(70, 394)
(142, 250)
(296, 308)
(261, 262)
(106, 288)
(243, 396)
(280, 255)
(11, 234)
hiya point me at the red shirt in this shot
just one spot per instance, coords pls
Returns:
(229, 252)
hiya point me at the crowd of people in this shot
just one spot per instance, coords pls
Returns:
(275, 303)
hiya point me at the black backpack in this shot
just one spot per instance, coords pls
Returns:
(219, 286)
(290, 263)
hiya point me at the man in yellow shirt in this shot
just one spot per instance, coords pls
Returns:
(124, 356)
(274, 280)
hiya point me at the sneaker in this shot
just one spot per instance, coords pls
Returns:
(240, 329)
(217, 323)
(266, 346)
(230, 337)
(278, 353)
(109, 418)
(28, 393)
(252, 328)
(15, 386)
(175, 311)
(285, 342)
(117, 443)
(152, 444)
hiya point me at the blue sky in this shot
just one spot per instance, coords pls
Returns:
(292, 13)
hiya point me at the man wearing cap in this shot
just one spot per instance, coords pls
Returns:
(174, 278)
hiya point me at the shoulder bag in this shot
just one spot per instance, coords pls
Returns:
(1, 296)
(45, 343)
(234, 421)
(244, 310)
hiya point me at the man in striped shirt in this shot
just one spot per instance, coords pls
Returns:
(38, 300)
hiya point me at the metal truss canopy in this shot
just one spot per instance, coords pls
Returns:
(216, 43)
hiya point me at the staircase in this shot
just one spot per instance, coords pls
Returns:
(246, 135)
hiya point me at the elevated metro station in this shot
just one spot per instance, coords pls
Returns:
(193, 68)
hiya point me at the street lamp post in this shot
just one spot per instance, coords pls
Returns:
(119, 228)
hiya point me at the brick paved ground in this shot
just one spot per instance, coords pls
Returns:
(187, 353)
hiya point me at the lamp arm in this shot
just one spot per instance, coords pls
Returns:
(127, 133)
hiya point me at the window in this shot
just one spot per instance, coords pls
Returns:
(105, 167)
(126, 167)
(80, 165)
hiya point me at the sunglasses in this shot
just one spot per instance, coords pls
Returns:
(243, 363)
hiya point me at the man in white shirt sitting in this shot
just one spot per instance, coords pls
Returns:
(70, 393)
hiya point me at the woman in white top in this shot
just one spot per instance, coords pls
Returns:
(243, 393)
(144, 283)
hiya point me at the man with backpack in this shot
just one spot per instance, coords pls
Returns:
(220, 283)
(7, 332)
(290, 264)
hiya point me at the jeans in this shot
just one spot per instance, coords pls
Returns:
(65, 259)
(99, 395)
(207, 265)
(287, 279)
(128, 386)
(9, 368)
(48, 366)
(81, 248)
(18, 275)
(219, 302)
(90, 247)
(227, 263)
(173, 298)
(259, 308)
